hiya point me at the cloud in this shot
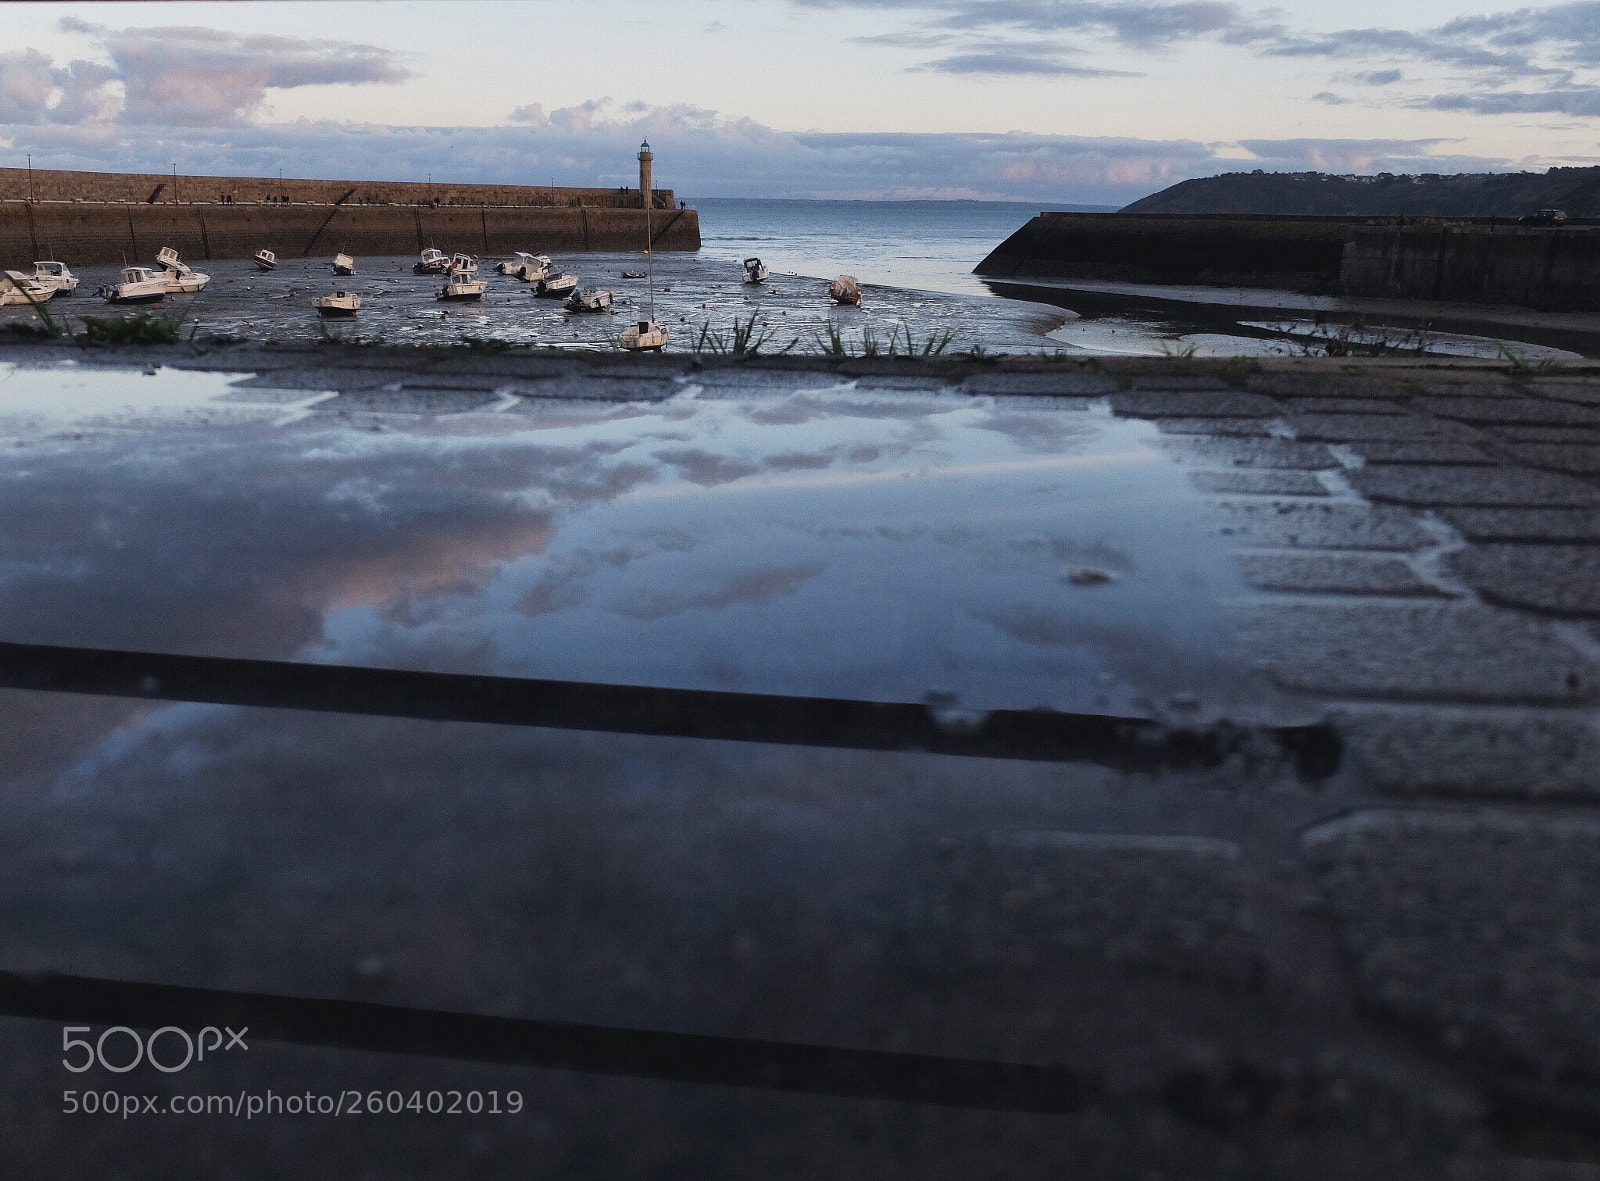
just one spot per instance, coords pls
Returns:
(1489, 51)
(702, 153)
(25, 85)
(179, 76)
(205, 77)
(1581, 101)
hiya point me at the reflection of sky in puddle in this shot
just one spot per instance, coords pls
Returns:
(841, 542)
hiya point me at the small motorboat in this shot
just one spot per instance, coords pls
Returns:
(179, 277)
(19, 290)
(461, 285)
(433, 262)
(644, 337)
(555, 286)
(183, 281)
(339, 304)
(139, 285)
(464, 263)
(265, 260)
(343, 264)
(845, 290)
(589, 301)
(530, 268)
(633, 274)
(55, 276)
(756, 271)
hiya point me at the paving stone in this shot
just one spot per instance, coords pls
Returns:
(1524, 524)
(1470, 385)
(1415, 651)
(1561, 579)
(1139, 903)
(1549, 434)
(1335, 573)
(1560, 457)
(1318, 382)
(1462, 486)
(1335, 524)
(1475, 751)
(1481, 925)
(1258, 453)
(1536, 411)
(1419, 451)
(1215, 426)
(1352, 428)
(1584, 390)
(1260, 482)
(1170, 403)
(1343, 406)
(1044, 384)
(1177, 381)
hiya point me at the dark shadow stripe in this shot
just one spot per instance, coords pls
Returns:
(1129, 744)
(555, 1045)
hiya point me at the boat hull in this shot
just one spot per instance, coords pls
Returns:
(143, 297)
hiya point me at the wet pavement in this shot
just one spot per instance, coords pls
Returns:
(1243, 964)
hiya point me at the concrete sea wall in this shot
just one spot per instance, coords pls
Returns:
(85, 233)
(1468, 260)
(154, 188)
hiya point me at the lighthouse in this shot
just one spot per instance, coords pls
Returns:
(645, 187)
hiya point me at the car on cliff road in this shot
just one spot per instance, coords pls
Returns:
(1545, 217)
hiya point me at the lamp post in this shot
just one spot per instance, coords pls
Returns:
(175, 182)
(30, 179)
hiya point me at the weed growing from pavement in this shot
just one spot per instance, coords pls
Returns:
(140, 328)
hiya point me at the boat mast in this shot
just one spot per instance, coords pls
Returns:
(645, 159)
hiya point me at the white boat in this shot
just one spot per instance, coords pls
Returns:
(530, 268)
(464, 263)
(644, 337)
(589, 301)
(343, 264)
(756, 271)
(179, 277)
(433, 262)
(846, 289)
(340, 303)
(139, 285)
(55, 276)
(19, 290)
(555, 286)
(265, 260)
(461, 285)
(184, 281)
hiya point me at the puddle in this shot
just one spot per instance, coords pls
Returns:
(975, 553)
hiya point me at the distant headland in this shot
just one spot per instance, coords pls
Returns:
(1319, 194)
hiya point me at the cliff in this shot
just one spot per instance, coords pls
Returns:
(1512, 194)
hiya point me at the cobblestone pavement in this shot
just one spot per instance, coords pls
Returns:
(1389, 970)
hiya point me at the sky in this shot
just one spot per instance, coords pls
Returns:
(1045, 101)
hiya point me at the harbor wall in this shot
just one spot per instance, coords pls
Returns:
(154, 188)
(89, 233)
(1461, 260)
